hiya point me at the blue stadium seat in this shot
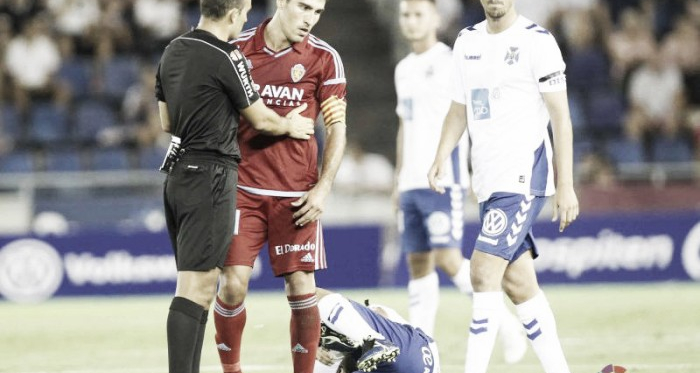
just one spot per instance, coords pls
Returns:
(63, 160)
(671, 150)
(91, 117)
(110, 159)
(625, 151)
(120, 73)
(587, 69)
(11, 122)
(76, 72)
(581, 149)
(577, 110)
(151, 158)
(48, 123)
(606, 111)
(21, 161)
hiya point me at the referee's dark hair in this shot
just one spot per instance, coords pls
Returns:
(215, 9)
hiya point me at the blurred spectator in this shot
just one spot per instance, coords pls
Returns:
(114, 24)
(157, 22)
(630, 44)
(656, 100)
(140, 110)
(6, 35)
(587, 65)
(21, 11)
(32, 58)
(597, 170)
(682, 45)
(362, 172)
(75, 18)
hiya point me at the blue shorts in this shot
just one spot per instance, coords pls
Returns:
(429, 220)
(419, 353)
(506, 225)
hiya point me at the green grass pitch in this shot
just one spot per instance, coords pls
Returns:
(652, 328)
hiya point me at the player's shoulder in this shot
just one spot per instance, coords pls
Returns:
(532, 29)
(472, 31)
(245, 37)
(321, 47)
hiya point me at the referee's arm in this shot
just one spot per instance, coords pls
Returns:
(164, 119)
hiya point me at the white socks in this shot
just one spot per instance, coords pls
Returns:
(339, 314)
(463, 279)
(538, 319)
(487, 311)
(424, 297)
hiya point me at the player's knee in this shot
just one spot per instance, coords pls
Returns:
(420, 264)
(232, 289)
(519, 291)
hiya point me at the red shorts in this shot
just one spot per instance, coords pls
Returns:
(269, 218)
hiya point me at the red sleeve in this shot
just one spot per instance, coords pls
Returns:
(333, 77)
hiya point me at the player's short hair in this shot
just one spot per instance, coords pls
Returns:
(215, 9)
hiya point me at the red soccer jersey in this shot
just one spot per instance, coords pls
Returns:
(307, 72)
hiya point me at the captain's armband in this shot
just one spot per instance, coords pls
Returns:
(333, 110)
(553, 82)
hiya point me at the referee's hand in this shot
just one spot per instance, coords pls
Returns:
(300, 127)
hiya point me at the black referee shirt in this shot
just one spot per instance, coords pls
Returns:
(205, 82)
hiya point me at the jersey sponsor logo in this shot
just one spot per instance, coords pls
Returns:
(298, 72)
(512, 55)
(495, 222)
(291, 248)
(481, 108)
(282, 95)
(245, 78)
(236, 55)
(472, 57)
(308, 258)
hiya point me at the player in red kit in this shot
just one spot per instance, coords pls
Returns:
(280, 192)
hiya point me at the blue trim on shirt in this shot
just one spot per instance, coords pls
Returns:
(540, 171)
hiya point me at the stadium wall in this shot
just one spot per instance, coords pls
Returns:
(608, 248)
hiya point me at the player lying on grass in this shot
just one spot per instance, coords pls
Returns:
(370, 338)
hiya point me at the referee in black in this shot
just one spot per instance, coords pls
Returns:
(203, 85)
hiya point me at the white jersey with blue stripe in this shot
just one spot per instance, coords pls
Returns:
(500, 78)
(423, 99)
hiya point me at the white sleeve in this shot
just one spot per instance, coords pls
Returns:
(457, 92)
(548, 65)
(399, 104)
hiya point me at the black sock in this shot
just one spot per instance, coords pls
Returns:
(183, 330)
(200, 341)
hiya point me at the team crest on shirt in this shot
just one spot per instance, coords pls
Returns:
(236, 55)
(298, 72)
(512, 55)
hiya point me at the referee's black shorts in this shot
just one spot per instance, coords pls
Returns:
(200, 204)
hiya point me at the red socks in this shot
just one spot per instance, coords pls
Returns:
(229, 322)
(305, 331)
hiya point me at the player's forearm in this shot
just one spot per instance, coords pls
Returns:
(164, 118)
(332, 154)
(453, 127)
(557, 105)
(266, 120)
(399, 149)
(273, 124)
